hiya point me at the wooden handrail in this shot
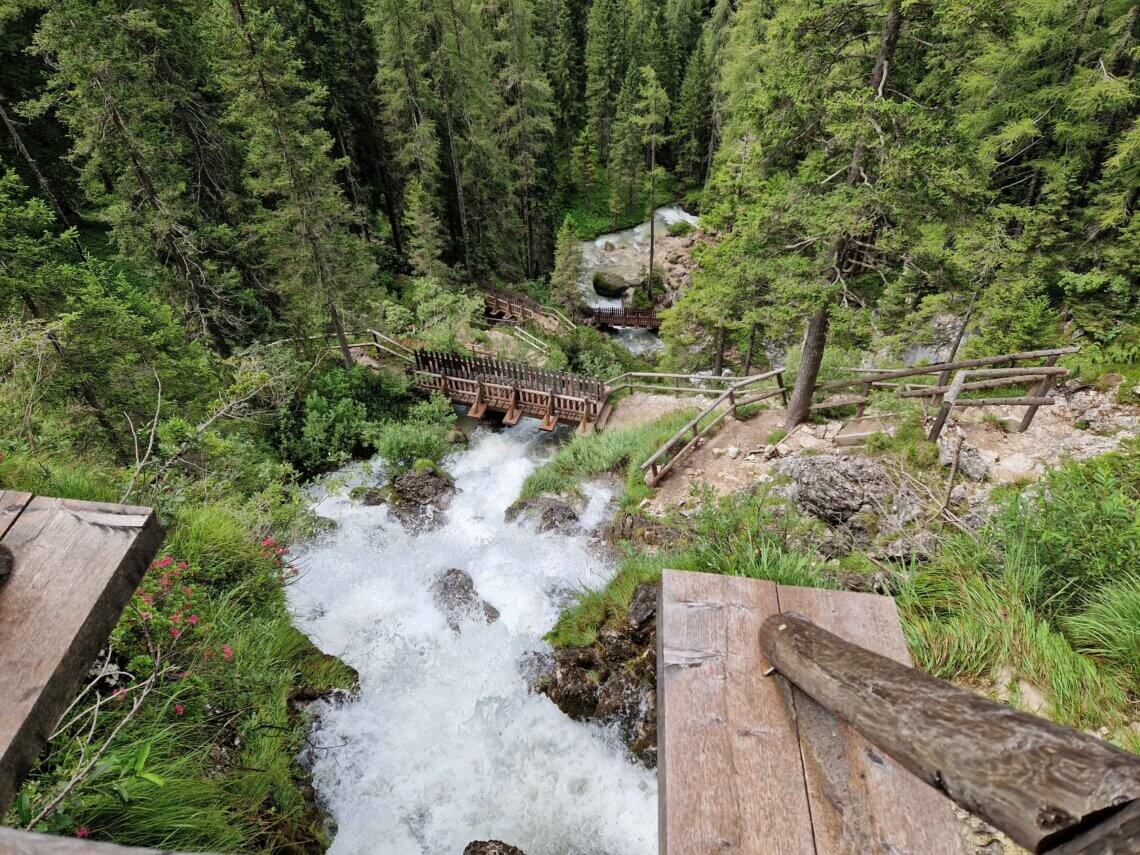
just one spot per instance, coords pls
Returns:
(651, 466)
(1052, 789)
(948, 366)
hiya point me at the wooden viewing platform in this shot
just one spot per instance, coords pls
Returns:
(624, 317)
(75, 566)
(780, 710)
(514, 389)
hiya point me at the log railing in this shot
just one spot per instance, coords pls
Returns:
(739, 394)
(985, 369)
(1050, 788)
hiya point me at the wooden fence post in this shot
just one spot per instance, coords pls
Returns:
(1040, 392)
(947, 405)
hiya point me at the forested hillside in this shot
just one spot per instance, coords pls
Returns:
(205, 203)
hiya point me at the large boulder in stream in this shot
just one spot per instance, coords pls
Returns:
(548, 512)
(610, 286)
(453, 592)
(614, 680)
(491, 847)
(415, 498)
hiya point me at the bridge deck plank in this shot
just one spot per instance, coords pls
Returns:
(737, 770)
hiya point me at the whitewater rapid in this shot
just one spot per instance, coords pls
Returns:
(445, 744)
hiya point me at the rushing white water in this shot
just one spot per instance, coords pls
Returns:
(627, 258)
(445, 743)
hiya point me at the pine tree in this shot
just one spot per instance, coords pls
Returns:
(651, 114)
(626, 158)
(306, 226)
(567, 269)
(694, 117)
(130, 81)
(529, 128)
(583, 161)
(425, 234)
(606, 63)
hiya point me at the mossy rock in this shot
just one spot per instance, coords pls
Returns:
(610, 286)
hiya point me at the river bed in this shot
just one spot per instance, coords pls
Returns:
(445, 744)
(628, 258)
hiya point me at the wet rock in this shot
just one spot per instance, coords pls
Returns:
(549, 513)
(614, 680)
(373, 496)
(456, 437)
(644, 531)
(643, 606)
(609, 246)
(422, 486)
(453, 592)
(491, 847)
(572, 686)
(610, 286)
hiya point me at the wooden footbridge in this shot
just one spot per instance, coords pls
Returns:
(623, 316)
(513, 389)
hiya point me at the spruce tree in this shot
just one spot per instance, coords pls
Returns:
(567, 269)
(606, 63)
(306, 225)
(650, 117)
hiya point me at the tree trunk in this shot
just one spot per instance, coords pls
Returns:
(342, 339)
(718, 362)
(815, 339)
(751, 348)
(41, 179)
(652, 217)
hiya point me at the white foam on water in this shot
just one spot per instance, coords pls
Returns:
(445, 743)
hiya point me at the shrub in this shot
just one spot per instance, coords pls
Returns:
(421, 437)
(680, 228)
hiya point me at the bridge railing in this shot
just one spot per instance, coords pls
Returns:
(624, 317)
(1051, 789)
(512, 373)
(737, 395)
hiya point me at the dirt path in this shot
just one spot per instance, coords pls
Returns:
(643, 407)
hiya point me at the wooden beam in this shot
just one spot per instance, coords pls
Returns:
(728, 764)
(1037, 781)
(76, 566)
(14, 842)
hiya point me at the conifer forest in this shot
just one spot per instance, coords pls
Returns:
(228, 226)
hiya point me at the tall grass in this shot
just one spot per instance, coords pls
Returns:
(743, 535)
(1047, 595)
(623, 450)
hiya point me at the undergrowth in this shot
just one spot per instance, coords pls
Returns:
(622, 450)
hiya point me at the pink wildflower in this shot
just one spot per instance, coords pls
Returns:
(187, 591)
(268, 542)
(179, 709)
(192, 620)
(163, 562)
(176, 618)
(227, 652)
(182, 565)
(175, 633)
(147, 598)
(83, 831)
(144, 615)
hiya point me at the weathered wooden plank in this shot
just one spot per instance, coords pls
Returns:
(1037, 781)
(12, 504)
(729, 771)
(76, 566)
(861, 800)
(14, 842)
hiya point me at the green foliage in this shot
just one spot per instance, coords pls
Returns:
(337, 416)
(421, 436)
(1046, 594)
(743, 535)
(622, 449)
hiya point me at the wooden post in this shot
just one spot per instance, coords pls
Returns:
(947, 405)
(783, 388)
(1040, 392)
(751, 347)
(1039, 782)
